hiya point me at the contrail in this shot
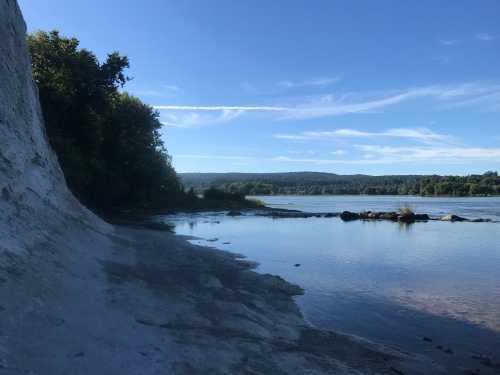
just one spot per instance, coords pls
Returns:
(220, 108)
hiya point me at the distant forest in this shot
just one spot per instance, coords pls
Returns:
(313, 183)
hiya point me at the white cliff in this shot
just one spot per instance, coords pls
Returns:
(33, 192)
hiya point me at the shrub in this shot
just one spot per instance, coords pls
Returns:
(220, 195)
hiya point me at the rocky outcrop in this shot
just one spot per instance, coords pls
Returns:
(403, 217)
(349, 216)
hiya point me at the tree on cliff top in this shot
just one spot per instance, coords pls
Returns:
(107, 142)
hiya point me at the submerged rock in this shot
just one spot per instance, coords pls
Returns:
(369, 215)
(404, 217)
(288, 214)
(453, 218)
(481, 220)
(422, 217)
(389, 216)
(234, 213)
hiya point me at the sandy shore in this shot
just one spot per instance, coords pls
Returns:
(137, 301)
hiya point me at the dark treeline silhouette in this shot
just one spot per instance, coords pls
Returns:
(312, 183)
(107, 141)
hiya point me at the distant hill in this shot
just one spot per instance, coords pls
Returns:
(318, 183)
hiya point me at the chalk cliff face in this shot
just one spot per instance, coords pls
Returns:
(33, 192)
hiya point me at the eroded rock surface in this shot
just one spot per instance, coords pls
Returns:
(33, 193)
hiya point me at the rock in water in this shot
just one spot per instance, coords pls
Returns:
(422, 217)
(407, 217)
(349, 216)
(33, 192)
(389, 216)
(453, 218)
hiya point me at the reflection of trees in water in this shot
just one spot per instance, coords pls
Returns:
(405, 227)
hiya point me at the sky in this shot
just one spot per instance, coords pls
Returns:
(373, 87)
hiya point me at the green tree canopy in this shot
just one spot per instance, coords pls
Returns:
(107, 142)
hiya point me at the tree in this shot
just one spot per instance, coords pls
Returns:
(107, 142)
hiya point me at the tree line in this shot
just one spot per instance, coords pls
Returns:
(310, 183)
(107, 141)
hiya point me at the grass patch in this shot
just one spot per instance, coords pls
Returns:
(406, 211)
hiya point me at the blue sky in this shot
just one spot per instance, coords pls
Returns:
(375, 87)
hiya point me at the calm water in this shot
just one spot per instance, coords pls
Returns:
(380, 280)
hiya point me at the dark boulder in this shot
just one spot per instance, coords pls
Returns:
(422, 217)
(349, 216)
(367, 215)
(407, 217)
(234, 213)
(481, 220)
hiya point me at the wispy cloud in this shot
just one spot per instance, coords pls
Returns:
(433, 154)
(418, 134)
(485, 96)
(222, 108)
(443, 95)
(194, 119)
(376, 154)
(278, 88)
(373, 154)
(485, 37)
(163, 91)
(315, 160)
(212, 157)
(321, 81)
(302, 152)
(171, 87)
(192, 116)
(338, 152)
(448, 42)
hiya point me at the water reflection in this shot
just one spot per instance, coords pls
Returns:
(390, 282)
